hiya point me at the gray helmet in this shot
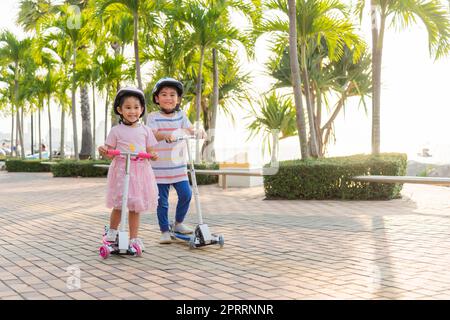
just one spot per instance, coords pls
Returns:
(167, 82)
(129, 91)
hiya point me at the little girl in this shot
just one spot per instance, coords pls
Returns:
(130, 136)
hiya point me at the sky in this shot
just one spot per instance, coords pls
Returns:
(414, 103)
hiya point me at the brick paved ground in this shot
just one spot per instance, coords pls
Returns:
(396, 249)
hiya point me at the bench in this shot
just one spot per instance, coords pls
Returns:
(106, 166)
(439, 181)
(222, 173)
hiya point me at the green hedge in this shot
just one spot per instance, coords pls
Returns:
(19, 165)
(85, 168)
(203, 179)
(330, 178)
(82, 168)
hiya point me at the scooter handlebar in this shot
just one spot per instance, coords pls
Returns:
(143, 155)
(186, 137)
(113, 152)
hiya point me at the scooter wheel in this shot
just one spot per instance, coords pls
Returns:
(221, 241)
(192, 243)
(138, 250)
(104, 252)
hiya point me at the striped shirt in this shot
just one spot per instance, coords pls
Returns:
(171, 164)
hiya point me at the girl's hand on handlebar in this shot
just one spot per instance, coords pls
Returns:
(154, 156)
(103, 151)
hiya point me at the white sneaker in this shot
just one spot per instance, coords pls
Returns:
(182, 228)
(140, 243)
(111, 235)
(165, 238)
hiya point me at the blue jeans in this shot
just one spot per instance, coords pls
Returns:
(184, 198)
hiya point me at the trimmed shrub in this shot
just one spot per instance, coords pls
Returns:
(82, 168)
(85, 168)
(19, 165)
(330, 178)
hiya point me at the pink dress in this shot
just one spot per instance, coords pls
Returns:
(143, 190)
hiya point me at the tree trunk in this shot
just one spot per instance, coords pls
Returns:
(136, 55)
(86, 135)
(12, 132)
(114, 118)
(376, 79)
(295, 78)
(198, 97)
(22, 124)
(20, 129)
(318, 121)
(206, 107)
(20, 134)
(40, 131)
(215, 105)
(94, 122)
(106, 113)
(328, 126)
(309, 105)
(16, 143)
(274, 157)
(32, 134)
(62, 142)
(50, 147)
(74, 111)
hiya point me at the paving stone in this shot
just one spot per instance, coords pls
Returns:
(396, 249)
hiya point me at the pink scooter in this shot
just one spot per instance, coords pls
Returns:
(121, 245)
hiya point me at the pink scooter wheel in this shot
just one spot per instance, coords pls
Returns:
(104, 252)
(138, 249)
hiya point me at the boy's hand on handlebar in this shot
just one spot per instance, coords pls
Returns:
(170, 139)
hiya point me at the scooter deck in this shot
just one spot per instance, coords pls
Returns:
(181, 236)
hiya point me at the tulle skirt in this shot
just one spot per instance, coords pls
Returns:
(142, 188)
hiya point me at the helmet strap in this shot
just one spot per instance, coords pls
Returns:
(177, 108)
(126, 122)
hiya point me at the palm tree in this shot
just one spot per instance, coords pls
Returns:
(432, 13)
(7, 96)
(276, 116)
(85, 76)
(330, 81)
(67, 23)
(314, 19)
(50, 86)
(15, 53)
(210, 27)
(76, 34)
(60, 49)
(36, 96)
(110, 75)
(144, 9)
